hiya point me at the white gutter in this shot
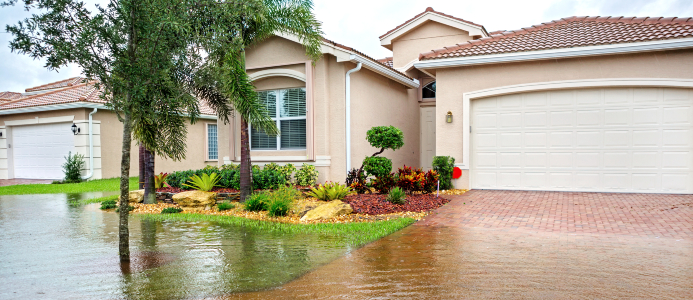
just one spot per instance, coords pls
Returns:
(348, 114)
(557, 53)
(91, 146)
(384, 70)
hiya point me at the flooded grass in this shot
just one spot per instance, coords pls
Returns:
(99, 185)
(351, 234)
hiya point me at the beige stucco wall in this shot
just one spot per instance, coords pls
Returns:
(429, 36)
(112, 138)
(273, 83)
(452, 83)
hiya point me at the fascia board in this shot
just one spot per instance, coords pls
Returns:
(72, 105)
(431, 16)
(557, 53)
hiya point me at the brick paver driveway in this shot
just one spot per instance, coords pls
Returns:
(645, 215)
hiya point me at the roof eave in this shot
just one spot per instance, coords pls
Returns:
(386, 40)
(70, 105)
(622, 48)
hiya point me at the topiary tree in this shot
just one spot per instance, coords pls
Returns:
(383, 137)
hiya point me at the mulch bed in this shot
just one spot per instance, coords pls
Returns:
(375, 204)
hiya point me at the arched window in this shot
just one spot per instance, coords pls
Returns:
(429, 90)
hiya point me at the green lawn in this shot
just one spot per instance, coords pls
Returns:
(99, 185)
(352, 234)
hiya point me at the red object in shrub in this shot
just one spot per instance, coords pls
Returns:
(456, 173)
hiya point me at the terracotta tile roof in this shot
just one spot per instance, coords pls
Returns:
(58, 84)
(571, 32)
(7, 96)
(430, 9)
(361, 54)
(386, 61)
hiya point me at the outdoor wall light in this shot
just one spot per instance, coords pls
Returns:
(75, 129)
(448, 117)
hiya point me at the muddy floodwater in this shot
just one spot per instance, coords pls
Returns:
(51, 250)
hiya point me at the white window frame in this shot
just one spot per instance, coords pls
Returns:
(277, 120)
(207, 158)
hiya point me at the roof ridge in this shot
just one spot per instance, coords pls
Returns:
(43, 86)
(431, 10)
(526, 30)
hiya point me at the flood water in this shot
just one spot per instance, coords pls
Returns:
(51, 250)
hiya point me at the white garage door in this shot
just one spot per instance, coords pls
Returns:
(39, 150)
(602, 140)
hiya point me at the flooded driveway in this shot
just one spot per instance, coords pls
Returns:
(52, 250)
(494, 244)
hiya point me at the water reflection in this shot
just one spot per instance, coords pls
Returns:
(52, 249)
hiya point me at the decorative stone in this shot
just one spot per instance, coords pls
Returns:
(195, 200)
(328, 211)
(136, 196)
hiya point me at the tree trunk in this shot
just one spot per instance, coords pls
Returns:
(141, 165)
(149, 192)
(123, 232)
(246, 179)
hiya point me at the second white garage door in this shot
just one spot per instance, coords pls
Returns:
(601, 140)
(39, 150)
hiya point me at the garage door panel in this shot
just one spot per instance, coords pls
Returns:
(611, 140)
(38, 151)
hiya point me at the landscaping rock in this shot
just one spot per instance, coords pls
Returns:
(136, 196)
(328, 211)
(195, 200)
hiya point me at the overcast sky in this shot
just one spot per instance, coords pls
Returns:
(360, 22)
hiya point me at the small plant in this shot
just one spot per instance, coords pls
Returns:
(224, 206)
(384, 184)
(329, 191)
(397, 196)
(160, 180)
(356, 180)
(281, 200)
(130, 208)
(108, 204)
(444, 165)
(256, 202)
(73, 168)
(307, 175)
(171, 210)
(377, 166)
(205, 183)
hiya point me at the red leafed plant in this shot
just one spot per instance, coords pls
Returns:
(384, 184)
(160, 180)
(430, 182)
(416, 180)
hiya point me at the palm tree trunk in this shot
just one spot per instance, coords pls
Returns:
(246, 180)
(123, 232)
(149, 192)
(141, 165)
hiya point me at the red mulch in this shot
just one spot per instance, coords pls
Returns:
(375, 204)
(177, 190)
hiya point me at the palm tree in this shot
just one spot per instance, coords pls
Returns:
(225, 76)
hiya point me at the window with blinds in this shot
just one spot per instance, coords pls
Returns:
(288, 109)
(212, 143)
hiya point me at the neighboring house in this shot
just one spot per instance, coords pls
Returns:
(36, 133)
(577, 104)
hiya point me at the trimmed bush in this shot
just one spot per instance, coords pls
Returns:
(307, 175)
(288, 170)
(73, 168)
(171, 210)
(397, 196)
(256, 202)
(444, 165)
(267, 179)
(385, 137)
(224, 206)
(377, 166)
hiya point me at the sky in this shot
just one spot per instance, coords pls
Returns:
(359, 23)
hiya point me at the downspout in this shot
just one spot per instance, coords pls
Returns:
(91, 146)
(348, 115)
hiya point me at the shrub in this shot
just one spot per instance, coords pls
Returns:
(73, 167)
(329, 191)
(272, 166)
(224, 206)
(280, 201)
(357, 181)
(210, 167)
(307, 175)
(171, 210)
(444, 165)
(108, 204)
(385, 137)
(288, 170)
(160, 180)
(416, 180)
(204, 183)
(397, 196)
(230, 179)
(267, 179)
(256, 202)
(377, 166)
(430, 181)
(385, 183)
(229, 167)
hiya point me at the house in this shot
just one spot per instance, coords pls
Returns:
(577, 104)
(36, 133)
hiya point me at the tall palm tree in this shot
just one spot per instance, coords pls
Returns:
(248, 23)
